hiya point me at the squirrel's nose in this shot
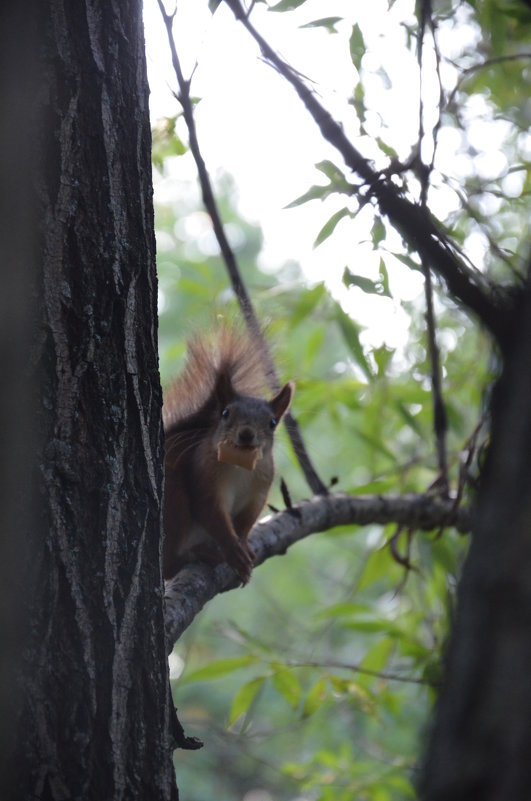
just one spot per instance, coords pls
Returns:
(246, 436)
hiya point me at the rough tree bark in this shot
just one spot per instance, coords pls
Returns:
(480, 744)
(94, 712)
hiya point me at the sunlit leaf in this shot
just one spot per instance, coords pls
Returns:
(351, 335)
(355, 692)
(287, 684)
(384, 279)
(308, 300)
(382, 356)
(377, 232)
(331, 171)
(358, 101)
(387, 149)
(366, 284)
(344, 609)
(221, 667)
(244, 698)
(314, 193)
(408, 261)
(378, 655)
(377, 567)
(315, 698)
(286, 5)
(326, 22)
(357, 46)
(329, 226)
(411, 421)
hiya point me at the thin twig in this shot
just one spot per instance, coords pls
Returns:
(316, 485)
(355, 668)
(440, 420)
(491, 62)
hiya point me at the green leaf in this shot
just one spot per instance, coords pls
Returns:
(378, 566)
(382, 356)
(384, 279)
(387, 149)
(373, 625)
(244, 698)
(354, 691)
(377, 232)
(351, 335)
(411, 421)
(309, 299)
(332, 172)
(377, 657)
(287, 684)
(357, 46)
(347, 608)
(376, 443)
(314, 343)
(358, 101)
(286, 5)
(365, 284)
(408, 261)
(220, 668)
(314, 193)
(315, 698)
(329, 226)
(326, 22)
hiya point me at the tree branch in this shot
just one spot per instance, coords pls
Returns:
(314, 481)
(197, 583)
(357, 668)
(491, 304)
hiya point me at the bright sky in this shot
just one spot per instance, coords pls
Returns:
(252, 125)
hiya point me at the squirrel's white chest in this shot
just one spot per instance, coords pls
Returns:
(236, 487)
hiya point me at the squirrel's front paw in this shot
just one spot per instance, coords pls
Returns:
(241, 559)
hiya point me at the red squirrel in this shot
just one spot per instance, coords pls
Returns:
(219, 452)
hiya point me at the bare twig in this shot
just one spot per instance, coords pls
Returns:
(491, 62)
(491, 304)
(198, 583)
(355, 668)
(440, 421)
(316, 485)
(403, 559)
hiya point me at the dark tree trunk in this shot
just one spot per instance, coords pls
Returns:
(481, 740)
(94, 713)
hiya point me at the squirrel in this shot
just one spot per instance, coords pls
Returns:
(219, 452)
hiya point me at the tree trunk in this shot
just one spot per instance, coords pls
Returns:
(480, 744)
(94, 711)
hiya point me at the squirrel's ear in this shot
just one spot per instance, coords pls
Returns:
(223, 389)
(281, 402)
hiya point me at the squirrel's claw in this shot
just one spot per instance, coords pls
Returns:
(242, 561)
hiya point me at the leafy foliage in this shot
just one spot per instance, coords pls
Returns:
(325, 670)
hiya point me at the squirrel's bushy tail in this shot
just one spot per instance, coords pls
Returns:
(225, 349)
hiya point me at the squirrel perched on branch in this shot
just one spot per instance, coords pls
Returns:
(219, 452)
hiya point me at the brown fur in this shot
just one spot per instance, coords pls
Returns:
(211, 506)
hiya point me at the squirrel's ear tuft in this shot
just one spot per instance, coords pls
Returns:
(223, 389)
(281, 402)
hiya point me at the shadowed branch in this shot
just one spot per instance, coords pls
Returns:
(192, 587)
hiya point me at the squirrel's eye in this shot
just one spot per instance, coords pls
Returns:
(273, 422)
(225, 413)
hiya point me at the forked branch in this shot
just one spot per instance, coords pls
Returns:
(491, 304)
